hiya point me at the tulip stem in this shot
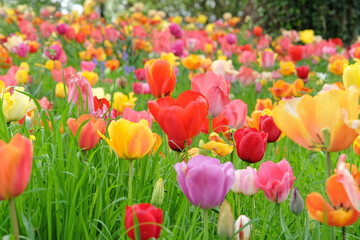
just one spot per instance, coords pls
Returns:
(130, 180)
(253, 216)
(343, 233)
(210, 126)
(206, 224)
(186, 151)
(328, 163)
(298, 223)
(14, 218)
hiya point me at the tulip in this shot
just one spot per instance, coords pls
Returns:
(356, 145)
(231, 38)
(205, 181)
(246, 232)
(62, 28)
(287, 68)
(175, 30)
(178, 146)
(322, 122)
(337, 66)
(267, 59)
(217, 146)
(140, 74)
(135, 116)
(225, 226)
(296, 202)
(16, 105)
(296, 53)
(101, 108)
(122, 101)
(53, 52)
(215, 88)
(180, 119)
(236, 112)
(351, 75)
(192, 62)
(276, 180)
(262, 104)
(59, 90)
(149, 218)
(250, 144)
(88, 137)
(267, 125)
(303, 72)
(158, 193)
(21, 76)
(161, 78)
(257, 31)
(307, 36)
(80, 93)
(245, 182)
(178, 48)
(225, 69)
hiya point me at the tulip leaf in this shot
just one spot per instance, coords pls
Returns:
(284, 227)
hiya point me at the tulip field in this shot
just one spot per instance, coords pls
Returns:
(152, 126)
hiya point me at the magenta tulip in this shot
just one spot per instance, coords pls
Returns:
(205, 181)
(276, 180)
(215, 88)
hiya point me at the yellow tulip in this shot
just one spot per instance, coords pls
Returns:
(25, 66)
(337, 66)
(122, 101)
(92, 77)
(130, 140)
(287, 68)
(307, 36)
(16, 105)
(202, 19)
(351, 75)
(171, 58)
(192, 62)
(322, 122)
(21, 76)
(59, 90)
(177, 20)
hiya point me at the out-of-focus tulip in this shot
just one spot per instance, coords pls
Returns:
(21, 76)
(15, 166)
(16, 105)
(60, 91)
(267, 59)
(245, 182)
(337, 66)
(216, 90)
(80, 93)
(296, 53)
(351, 75)
(236, 112)
(178, 48)
(267, 125)
(175, 30)
(244, 234)
(140, 74)
(322, 122)
(225, 69)
(180, 119)
(225, 226)
(275, 179)
(257, 31)
(204, 181)
(158, 193)
(130, 140)
(88, 137)
(135, 116)
(287, 68)
(307, 36)
(296, 202)
(231, 38)
(356, 145)
(192, 62)
(149, 218)
(250, 144)
(303, 72)
(53, 52)
(161, 78)
(262, 104)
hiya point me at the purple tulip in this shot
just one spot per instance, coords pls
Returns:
(205, 181)
(178, 48)
(231, 38)
(175, 30)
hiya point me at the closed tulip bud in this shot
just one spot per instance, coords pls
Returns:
(225, 225)
(246, 232)
(59, 90)
(250, 144)
(158, 193)
(21, 76)
(296, 201)
(267, 125)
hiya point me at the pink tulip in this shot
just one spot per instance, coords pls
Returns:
(231, 38)
(134, 116)
(275, 179)
(175, 30)
(178, 48)
(141, 88)
(215, 88)
(246, 76)
(244, 182)
(236, 112)
(87, 66)
(225, 69)
(111, 34)
(62, 28)
(267, 59)
(247, 57)
(22, 50)
(53, 52)
(63, 74)
(9, 77)
(80, 83)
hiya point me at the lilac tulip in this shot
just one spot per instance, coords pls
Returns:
(205, 181)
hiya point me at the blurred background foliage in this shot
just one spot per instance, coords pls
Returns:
(330, 18)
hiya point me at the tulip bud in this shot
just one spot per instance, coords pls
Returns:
(267, 125)
(225, 225)
(246, 232)
(244, 182)
(296, 202)
(158, 193)
(59, 90)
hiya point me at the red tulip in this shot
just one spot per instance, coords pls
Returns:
(250, 144)
(15, 166)
(296, 53)
(178, 146)
(146, 215)
(257, 31)
(267, 125)
(180, 119)
(219, 124)
(303, 72)
(216, 90)
(161, 78)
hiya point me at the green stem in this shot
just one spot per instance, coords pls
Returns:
(210, 125)
(343, 233)
(328, 163)
(186, 151)
(14, 218)
(130, 180)
(298, 223)
(232, 156)
(239, 204)
(253, 216)
(206, 224)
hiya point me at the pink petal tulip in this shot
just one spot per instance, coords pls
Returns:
(275, 179)
(15, 166)
(244, 182)
(236, 112)
(225, 69)
(9, 77)
(63, 74)
(205, 181)
(80, 83)
(215, 88)
(267, 59)
(87, 66)
(53, 52)
(134, 116)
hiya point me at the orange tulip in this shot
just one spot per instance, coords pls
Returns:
(89, 136)
(15, 166)
(340, 213)
(161, 78)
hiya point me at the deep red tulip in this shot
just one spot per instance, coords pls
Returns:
(180, 119)
(296, 53)
(140, 74)
(267, 125)
(250, 144)
(146, 215)
(178, 146)
(303, 72)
